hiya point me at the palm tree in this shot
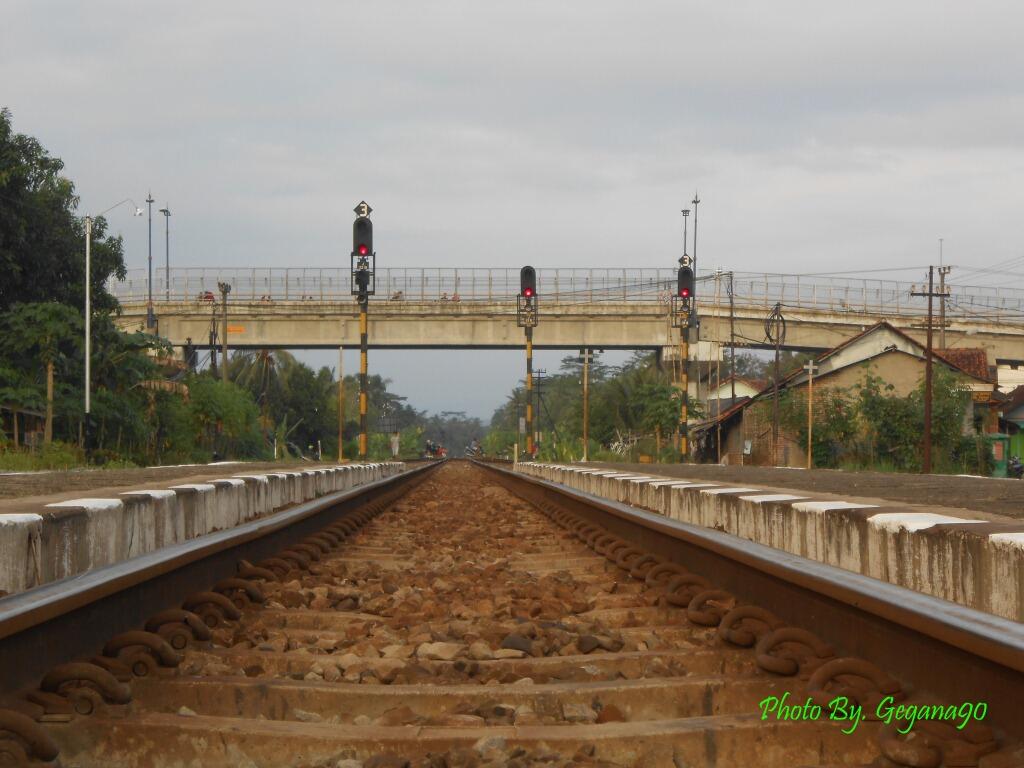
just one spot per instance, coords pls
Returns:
(262, 372)
(40, 332)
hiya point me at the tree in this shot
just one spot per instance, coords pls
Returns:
(751, 365)
(895, 423)
(42, 241)
(18, 393)
(42, 332)
(835, 422)
(225, 417)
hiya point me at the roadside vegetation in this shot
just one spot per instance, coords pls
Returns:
(634, 413)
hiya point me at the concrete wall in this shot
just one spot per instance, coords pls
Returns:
(70, 537)
(976, 563)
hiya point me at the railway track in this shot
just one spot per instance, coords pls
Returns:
(443, 620)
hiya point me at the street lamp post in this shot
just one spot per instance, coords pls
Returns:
(150, 318)
(166, 211)
(88, 306)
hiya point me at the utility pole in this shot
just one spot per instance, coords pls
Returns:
(213, 343)
(926, 463)
(539, 379)
(341, 404)
(732, 340)
(812, 368)
(225, 289)
(585, 353)
(693, 307)
(775, 330)
(943, 271)
(718, 361)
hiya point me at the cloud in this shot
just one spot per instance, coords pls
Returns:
(821, 136)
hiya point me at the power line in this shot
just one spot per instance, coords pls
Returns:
(991, 267)
(851, 272)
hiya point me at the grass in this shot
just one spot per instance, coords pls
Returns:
(54, 456)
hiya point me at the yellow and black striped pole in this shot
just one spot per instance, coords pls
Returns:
(529, 393)
(363, 394)
(684, 385)
(341, 403)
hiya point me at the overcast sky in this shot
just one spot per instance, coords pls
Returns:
(822, 136)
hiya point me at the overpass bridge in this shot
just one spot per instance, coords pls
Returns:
(602, 308)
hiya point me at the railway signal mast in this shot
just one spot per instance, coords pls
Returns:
(364, 262)
(526, 317)
(683, 317)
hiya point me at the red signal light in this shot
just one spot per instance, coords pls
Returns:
(363, 250)
(685, 293)
(528, 292)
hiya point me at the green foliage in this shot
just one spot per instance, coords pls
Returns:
(226, 419)
(627, 403)
(892, 425)
(835, 422)
(56, 455)
(42, 241)
(751, 365)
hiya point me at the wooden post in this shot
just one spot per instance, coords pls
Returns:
(926, 467)
(811, 369)
(341, 404)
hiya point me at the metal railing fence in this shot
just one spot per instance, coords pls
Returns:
(570, 285)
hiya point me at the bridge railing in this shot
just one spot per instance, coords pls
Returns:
(408, 284)
(580, 286)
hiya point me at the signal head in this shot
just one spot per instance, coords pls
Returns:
(362, 236)
(528, 282)
(684, 283)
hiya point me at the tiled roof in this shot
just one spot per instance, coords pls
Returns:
(973, 361)
(1013, 400)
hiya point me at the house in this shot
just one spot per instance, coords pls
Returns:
(744, 430)
(721, 395)
(1010, 413)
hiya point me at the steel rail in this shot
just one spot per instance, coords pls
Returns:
(949, 650)
(74, 617)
